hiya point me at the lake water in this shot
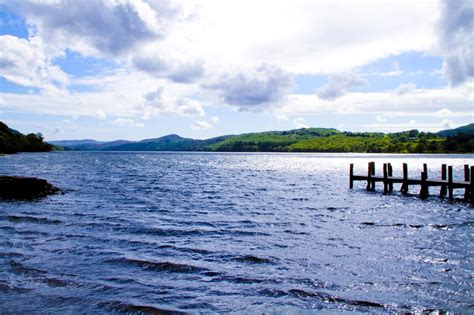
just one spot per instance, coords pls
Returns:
(196, 232)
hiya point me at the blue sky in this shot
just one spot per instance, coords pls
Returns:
(142, 69)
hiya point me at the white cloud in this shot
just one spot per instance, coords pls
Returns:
(405, 88)
(201, 125)
(305, 36)
(430, 127)
(457, 39)
(204, 125)
(299, 123)
(127, 122)
(256, 89)
(444, 112)
(380, 118)
(425, 102)
(447, 124)
(339, 84)
(395, 72)
(158, 102)
(281, 118)
(23, 62)
(101, 115)
(107, 28)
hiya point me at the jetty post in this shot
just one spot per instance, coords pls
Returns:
(424, 190)
(385, 178)
(471, 198)
(424, 186)
(450, 183)
(390, 174)
(351, 175)
(373, 175)
(443, 190)
(370, 172)
(466, 178)
(404, 188)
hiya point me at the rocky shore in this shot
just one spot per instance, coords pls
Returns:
(25, 188)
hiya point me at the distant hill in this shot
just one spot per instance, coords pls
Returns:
(298, 140)
(467, 130)
(12, 141)
(166, 143)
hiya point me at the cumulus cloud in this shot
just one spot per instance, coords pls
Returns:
(256, 89)
(281, 118)
(201, 125)
(444, 112)
(339, 84)
(457, 39)
(425, 102)
(173, 69)
(106, 27)
(127, 122)
(411, 124)
(159, 101)
(447, 124)
(205, 124)
(299, 123)
(23, 62)
(405, 88)
(187, 72)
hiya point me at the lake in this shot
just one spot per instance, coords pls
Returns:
(214, 233)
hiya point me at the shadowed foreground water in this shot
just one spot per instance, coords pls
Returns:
(189, 232)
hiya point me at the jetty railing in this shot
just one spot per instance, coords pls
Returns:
(446, 183)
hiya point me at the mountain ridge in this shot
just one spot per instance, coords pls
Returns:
(297, 140)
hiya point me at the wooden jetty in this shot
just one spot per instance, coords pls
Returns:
(446, 183)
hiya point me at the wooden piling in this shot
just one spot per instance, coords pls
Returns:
(390, 174)
(351, 175)
(404, 188)
(466, 178)
(373, 175)
(385, 178)
(450, 183)
(471, 198)
(369, 176)
(424, 187)
(442, 190)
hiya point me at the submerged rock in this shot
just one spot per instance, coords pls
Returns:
(25, 188)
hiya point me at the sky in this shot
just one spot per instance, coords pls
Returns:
(136, 69)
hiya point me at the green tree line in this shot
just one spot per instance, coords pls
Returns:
(11, 141)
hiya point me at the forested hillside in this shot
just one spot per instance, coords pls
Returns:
(12, 141)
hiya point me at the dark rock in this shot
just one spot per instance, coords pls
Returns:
(25, 188)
